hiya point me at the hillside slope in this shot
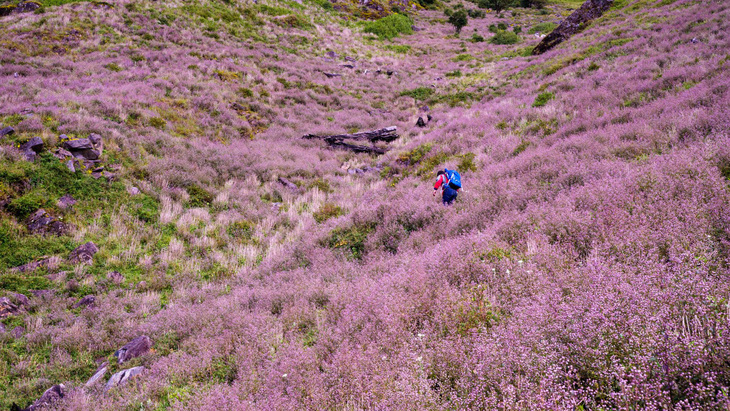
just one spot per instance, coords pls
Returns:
(584, 265)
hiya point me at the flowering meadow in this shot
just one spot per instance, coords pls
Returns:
(585, 264)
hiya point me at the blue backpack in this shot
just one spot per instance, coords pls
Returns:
(454, 178)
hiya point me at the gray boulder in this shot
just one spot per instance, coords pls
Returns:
(134, 349)
(35, 144)
(122, 377)
(85, 148)
(53, 394)
(83, 253)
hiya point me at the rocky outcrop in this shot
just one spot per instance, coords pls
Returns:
(83, 254)
(577, 21)
(122, 376)
(134, 349)
(32, 266)
(7, 307)
(89, 149)
(66, 202)
(98, 375)
(42, 223)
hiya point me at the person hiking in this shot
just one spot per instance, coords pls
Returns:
(450, 183)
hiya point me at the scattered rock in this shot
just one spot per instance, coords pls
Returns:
(62, 154)
(350, 66)
(350, 59)
(134, 348)
(70, 166)
(66, 202)
(86, 301)
(288, 184)
(122, 376)
(115, 277)
(17, 332)
(99, 374)
(590, 10)
(83, 254)
(32, 266)
(6, 131)
(422, 122)
(355, 171)
(330, 75)
(42, 223)
(142, 285)
(51, 395)
(2, 328)
(331, 54)
(35, 144)
(7, 308)
(133, 191)
(110, 177)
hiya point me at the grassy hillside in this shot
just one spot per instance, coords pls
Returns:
(583, 266)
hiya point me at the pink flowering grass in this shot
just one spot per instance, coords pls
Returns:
(583, 266)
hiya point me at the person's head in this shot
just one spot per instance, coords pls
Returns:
(440, 173)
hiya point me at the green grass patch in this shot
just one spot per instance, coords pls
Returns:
(546, 27)
(419, 93)
(398, 48)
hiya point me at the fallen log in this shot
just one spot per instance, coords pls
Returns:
(386, 134)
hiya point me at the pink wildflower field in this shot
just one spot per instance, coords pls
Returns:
(585, 264)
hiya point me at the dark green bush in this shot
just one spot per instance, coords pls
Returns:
(535, 4)
(505, 37)
(198, 196)
(390, 26)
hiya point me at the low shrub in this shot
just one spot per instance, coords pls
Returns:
(543, 98)
(327, 211)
